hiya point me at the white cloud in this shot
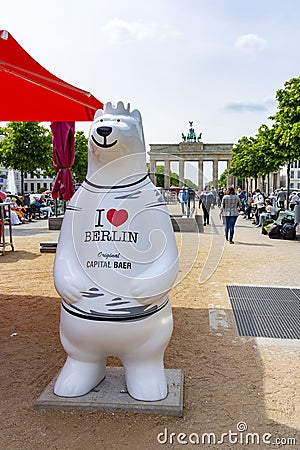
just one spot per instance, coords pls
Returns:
(121, 30)
(249, 106)
(250, 43)
(270, 102)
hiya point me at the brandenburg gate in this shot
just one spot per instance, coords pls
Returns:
(190, 149)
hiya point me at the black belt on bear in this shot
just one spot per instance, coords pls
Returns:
(135, 313)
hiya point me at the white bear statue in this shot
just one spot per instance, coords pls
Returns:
(115, 263)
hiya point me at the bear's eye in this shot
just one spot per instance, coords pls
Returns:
(101, 120)
(118, 120)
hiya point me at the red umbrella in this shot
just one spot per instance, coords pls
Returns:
(29, 93)
(63, 158)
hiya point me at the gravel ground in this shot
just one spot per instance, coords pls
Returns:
(231, 382)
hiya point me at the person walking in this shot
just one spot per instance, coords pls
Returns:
(215, 197)
(183, 199)
(281, 198)
(295, 200)
(230, 209)
(206, 199)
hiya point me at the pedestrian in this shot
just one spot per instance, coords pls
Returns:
(273, 199)
(230, 209)
(269, 213)
(220, 196)
(183, 199)
(43, 207)
(295, 200)
(206, 200)
(281, 198)
(215, 197)
(242, 196)
(259, 204)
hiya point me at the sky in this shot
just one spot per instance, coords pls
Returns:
(217, 63)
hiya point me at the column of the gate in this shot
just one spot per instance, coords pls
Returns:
(167, 174)
(200, 175)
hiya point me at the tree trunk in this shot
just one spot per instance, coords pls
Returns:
(288, 184)
(263, 179)
(247, 188)
(22, 182)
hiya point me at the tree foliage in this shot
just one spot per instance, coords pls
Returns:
(79, 168)
(174, 178)
(160, 177)
(287, 123)
(244, 162)
(189, 183)
(271, 148)
(26, 147)
(223, 178)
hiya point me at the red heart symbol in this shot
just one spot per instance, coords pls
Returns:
(116, 218)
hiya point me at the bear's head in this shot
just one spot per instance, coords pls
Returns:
(116, 141)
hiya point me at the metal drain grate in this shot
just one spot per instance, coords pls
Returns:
(266, 311)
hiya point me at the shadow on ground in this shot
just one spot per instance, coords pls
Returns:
(220, 389)
(16, 255)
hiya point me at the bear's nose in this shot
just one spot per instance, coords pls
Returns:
(104, 131)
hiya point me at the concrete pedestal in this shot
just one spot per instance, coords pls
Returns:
(55, 223)
(111, 395)
(187, 225)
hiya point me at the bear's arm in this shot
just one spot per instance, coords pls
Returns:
(154, 282)
(70, 279)
(150, 287)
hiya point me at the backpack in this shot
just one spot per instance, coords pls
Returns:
(275, 231)
(266, 223)
(288, 219)
(288, 231)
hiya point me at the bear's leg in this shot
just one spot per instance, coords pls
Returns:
(79, 377)
(145, 378)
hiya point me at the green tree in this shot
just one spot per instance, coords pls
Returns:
(266, 152)
(273, 147)
(26, 147)
(223, 178)
(287, 124)
(79, 168)
(189, 183)
(254, 156)
(160, 176)
(244, 162)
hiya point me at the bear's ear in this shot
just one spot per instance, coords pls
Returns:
(98, 113)
(136, 114)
